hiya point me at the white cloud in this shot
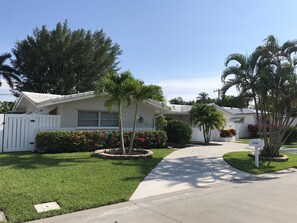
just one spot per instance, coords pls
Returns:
(189, 89)
(5, 94)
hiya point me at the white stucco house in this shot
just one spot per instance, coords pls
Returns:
(236, 118)
(86, 111)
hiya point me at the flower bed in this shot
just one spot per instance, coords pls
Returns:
(135, 154)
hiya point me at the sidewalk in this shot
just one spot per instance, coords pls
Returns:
(265, 200)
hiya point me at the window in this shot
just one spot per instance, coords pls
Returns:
(109, 119)
(96, 119)
(86, 118)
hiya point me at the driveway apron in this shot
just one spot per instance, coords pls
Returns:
(191, 167)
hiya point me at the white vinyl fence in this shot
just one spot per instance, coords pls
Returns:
(17, 132)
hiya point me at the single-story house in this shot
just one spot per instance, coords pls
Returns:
(236, 118)
(86, 110)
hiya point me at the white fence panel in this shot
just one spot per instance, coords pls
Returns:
(20, 130)
(1, 131)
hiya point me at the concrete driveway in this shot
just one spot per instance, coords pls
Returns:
(192, 167)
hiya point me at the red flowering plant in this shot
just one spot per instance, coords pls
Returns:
(227, 133)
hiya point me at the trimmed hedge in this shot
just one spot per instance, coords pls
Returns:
(81, 141)
(178, 132)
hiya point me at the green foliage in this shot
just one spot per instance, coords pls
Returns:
(268, 76)
(119, 89)
(178, 132)
(161, 123)
(180, 101)
(206, 117)
(291, 135)
(143, 93)
(7, 72)
(203, 98)
(61, 61)
(234, 101)
(83, 141)
(6, 106)
(242, 161)
(76, 181)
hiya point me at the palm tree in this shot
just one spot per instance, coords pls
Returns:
(206, 117)
(143, 93)
(8, 73)
(203, 97)
(118, 88)
(268, 75)
(244, 75)
(277, 92)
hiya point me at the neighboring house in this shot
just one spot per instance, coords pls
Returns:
(236, 118)
(86, 111)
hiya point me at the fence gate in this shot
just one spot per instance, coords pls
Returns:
(19, 131)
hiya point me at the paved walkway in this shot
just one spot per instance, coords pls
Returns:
(192, 167)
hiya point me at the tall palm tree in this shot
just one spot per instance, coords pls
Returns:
(118, 88)
(144, 93)
(8, 73)
(206, 117)
(244, 75)
(268, 75)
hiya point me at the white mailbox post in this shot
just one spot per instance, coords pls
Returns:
(257, 143)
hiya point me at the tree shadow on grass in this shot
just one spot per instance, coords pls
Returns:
(29, 160)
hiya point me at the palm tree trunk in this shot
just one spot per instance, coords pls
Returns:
(133, 130)
(121, 129)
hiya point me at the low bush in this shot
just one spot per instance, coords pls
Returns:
(292, 133)
(178, 132)
(81, 141)
(255, 129)
(227, 132)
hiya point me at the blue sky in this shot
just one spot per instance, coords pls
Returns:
(179, 45)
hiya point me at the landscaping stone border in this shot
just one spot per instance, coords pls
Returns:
(282, 158)
(144, 154)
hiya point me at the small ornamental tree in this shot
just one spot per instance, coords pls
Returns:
(117, 88)
(143, 93)
(206, 117)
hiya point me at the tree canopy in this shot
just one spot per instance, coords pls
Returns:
(61, 61)
(268, 75)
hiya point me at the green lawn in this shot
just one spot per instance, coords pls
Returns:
(246, 141)
(76, 181)
(241, 161)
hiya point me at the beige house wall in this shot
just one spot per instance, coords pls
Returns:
(69, 112)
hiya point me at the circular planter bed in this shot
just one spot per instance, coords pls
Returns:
(116, 154)
(281, 158)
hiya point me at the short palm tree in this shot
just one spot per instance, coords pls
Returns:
(144, 93)
(117, 88)
(206, 117)
(8, 73)
(203, 97)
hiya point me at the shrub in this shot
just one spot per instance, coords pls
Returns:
(253, 131)
(178, 132)
(227, 132)
(81, 141)
(161, 123)
(293, 135)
